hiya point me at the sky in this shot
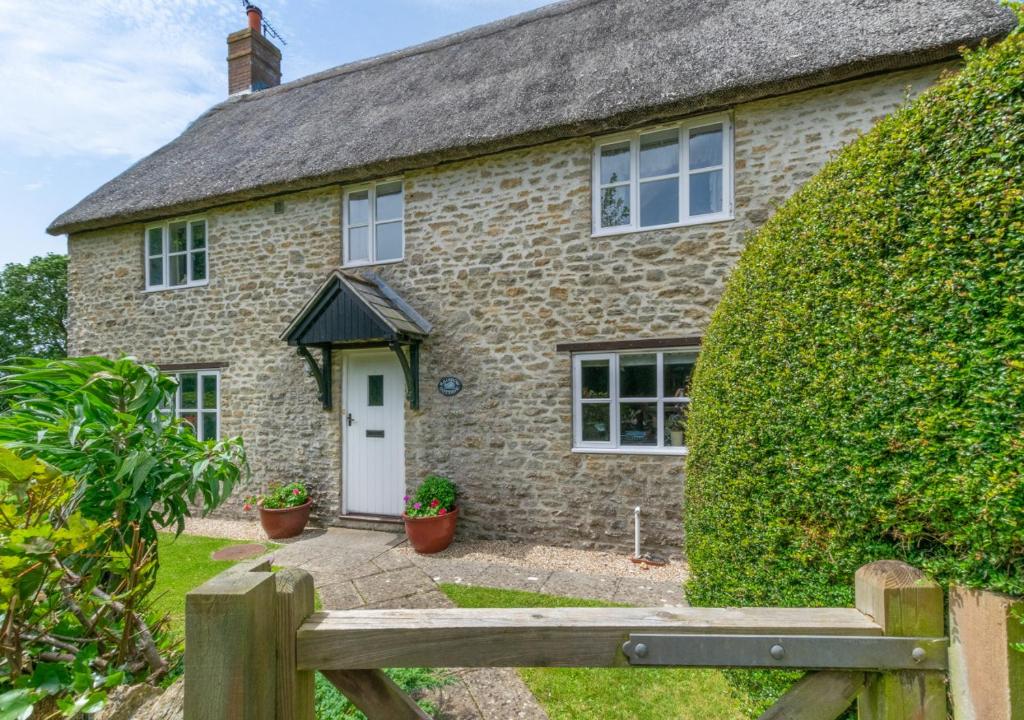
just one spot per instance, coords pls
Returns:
(88, 87)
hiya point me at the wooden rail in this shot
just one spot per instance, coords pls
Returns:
(249, 625)
(551, 637)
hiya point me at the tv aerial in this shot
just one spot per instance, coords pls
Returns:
(268, 29)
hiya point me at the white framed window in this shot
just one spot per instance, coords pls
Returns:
(632, 402)
(374, 223)
(197, 401)
(176, 254)
(674, 175)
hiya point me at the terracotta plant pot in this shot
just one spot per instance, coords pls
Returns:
(431, 534)
(286, 522)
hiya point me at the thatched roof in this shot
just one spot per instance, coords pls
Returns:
(567, 69)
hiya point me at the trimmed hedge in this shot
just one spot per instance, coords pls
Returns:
(860, 393)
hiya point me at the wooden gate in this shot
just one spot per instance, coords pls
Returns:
(253, 643)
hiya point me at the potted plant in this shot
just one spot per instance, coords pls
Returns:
(430, 515)
(284, 509)
(676, 428)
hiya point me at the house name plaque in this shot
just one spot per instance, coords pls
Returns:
(449, 386)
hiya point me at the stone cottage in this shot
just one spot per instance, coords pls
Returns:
(490, 256)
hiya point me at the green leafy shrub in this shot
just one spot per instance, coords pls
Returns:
(128, 468)
(435, 496)
(860, 393)
(102, 422)
(64, 640)
(279, 497)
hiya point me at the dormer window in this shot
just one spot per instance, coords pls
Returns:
(176, 254)
(664, 177)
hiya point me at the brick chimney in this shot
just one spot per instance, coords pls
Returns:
(254, 63)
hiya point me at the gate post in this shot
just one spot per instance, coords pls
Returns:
(986, 670)
(905, 603)
(294, 604)
(229, 647)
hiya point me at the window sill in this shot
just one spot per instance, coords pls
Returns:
(669, 452)
(351, 265)
(171, 288)
(710, 220)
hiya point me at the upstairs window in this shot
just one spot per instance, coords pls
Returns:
(197, 402)
(176, 255)
(679, 175)
(374, 225)
(632, 401)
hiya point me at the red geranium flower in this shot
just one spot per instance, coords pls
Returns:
(442, 511)
(435, 502)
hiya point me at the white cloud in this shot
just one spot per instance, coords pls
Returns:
(108, 77)
(33, 186)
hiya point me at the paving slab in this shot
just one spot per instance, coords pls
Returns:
(459, 573)
(453, 701)
(513, 578)
(434, 599)
(392, 561)
(501, 694)
(393, 584)
(338, 595)
(580, 585)
(649, 595)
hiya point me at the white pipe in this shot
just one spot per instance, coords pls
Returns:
(636, 532)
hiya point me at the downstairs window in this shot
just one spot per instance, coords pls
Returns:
(197, 402)
(632, 401)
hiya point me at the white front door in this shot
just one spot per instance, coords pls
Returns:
(373, 421)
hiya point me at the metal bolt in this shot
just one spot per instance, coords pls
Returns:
(640, 650)
(918, 654)
(777, 652)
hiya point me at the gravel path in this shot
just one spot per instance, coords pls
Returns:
(592, 562)
(250, 531)
(521, 555)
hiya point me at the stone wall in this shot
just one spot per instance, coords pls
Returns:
(500, 258)
(263, 266)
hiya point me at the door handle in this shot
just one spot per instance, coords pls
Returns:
(348, 419)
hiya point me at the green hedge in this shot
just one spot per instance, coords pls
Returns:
(860, 393)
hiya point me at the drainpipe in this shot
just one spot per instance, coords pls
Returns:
(636, 532)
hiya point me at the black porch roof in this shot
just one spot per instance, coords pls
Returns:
(355, 309)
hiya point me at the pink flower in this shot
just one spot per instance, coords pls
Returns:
(442, 511)
(295, 491)
(247, 507)
(418, 505)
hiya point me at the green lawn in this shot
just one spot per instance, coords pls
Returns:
(610, 693)
(185, 564)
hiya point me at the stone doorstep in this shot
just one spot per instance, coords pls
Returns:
(369, 522)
